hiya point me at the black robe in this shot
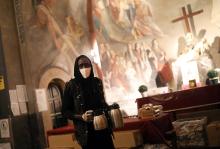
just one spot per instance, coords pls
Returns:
(81, 95)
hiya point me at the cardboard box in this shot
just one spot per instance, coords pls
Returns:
(127, 139)
(63, 141)
(213, 133)
(145, 113)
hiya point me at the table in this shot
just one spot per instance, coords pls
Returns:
(200, 97)
(153, 130)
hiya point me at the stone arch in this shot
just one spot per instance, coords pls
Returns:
(45, 79)
(53, 73)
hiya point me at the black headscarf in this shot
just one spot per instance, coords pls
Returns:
(77, 73)
(87, 85)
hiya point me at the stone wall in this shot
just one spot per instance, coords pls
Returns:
(27, 129)
(10, 44)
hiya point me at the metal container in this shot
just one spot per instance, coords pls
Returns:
(116, 116)
(100, 121)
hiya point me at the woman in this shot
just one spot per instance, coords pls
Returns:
(82, 95)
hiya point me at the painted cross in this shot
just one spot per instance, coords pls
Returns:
(185, 17)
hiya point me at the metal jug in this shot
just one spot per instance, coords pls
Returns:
(116, 116)
(100, 121)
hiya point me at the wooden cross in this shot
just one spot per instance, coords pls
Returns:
(185, 17)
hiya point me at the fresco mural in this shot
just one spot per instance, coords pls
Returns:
(139, 41)
(130, 53)
(55, 34)
(124, 20)
(153, 42)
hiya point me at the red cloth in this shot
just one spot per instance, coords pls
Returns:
(166, 73)
(61, 130)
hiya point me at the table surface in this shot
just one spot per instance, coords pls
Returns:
(152, 129)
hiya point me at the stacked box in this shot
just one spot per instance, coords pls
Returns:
(63, 141)
(213, 133)
(191, 132)
(127, 139)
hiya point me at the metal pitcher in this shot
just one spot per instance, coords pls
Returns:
(116, 116)
(100, 121)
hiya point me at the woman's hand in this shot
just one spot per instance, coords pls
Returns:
(88, 116)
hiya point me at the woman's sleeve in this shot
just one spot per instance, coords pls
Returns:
(68, 104)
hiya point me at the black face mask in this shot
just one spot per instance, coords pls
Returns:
(84, 63)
